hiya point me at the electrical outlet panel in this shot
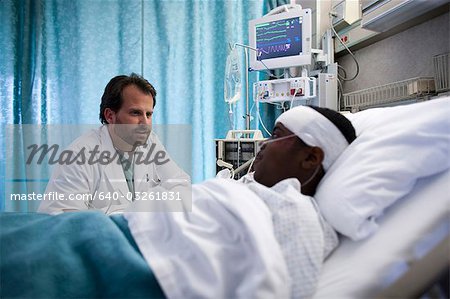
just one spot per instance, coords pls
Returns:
(285, 90)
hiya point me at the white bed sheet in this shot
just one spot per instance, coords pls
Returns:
(361, 269)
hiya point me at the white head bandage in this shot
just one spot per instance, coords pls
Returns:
(315, 130)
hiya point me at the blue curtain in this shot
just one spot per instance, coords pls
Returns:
(58, 55)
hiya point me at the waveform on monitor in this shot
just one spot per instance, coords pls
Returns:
(258, 32)
(269, 28)
(274, 49)
(268, 39)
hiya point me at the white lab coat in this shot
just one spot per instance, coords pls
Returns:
(95, 180)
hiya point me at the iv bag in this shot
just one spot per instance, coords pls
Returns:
(233, 86)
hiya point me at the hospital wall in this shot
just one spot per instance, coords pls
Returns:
(407, 54)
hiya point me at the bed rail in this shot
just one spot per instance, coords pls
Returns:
(441, 65)
(411, 89)
(422, 275)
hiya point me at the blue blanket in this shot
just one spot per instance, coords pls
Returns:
(73, 255)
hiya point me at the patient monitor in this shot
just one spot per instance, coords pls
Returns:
(282, 40)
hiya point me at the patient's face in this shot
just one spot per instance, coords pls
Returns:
(279, 158)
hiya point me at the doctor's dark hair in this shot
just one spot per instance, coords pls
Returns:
(112, 96)
(340, 121)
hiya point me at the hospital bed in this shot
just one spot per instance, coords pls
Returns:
(404, 258)
(398, 248)
(408, 254)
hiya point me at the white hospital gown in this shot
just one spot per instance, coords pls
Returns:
(306, 239)
(239, 241)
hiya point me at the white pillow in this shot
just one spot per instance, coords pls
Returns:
(395, 147)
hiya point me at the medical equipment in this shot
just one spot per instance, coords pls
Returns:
(441, 67)
(233, 86)
(286, 90)
(222, 163)
(388, 94)
(238, 148)
(347, 13)
(282, 40)
(232, 83)
(229, 172)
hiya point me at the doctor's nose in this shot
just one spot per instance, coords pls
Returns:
(145, 120)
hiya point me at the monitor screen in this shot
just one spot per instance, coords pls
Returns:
(280, 38)
(281, 41)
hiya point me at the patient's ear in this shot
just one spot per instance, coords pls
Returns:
(314, 157)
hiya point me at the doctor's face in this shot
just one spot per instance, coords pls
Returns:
(133, 121)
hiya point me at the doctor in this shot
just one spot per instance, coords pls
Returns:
(117, 161)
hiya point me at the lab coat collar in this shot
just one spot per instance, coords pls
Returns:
(114, 170)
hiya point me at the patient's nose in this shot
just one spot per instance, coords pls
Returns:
(261, 144)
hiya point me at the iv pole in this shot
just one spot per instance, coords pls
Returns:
(247, 101)
(246, 47)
